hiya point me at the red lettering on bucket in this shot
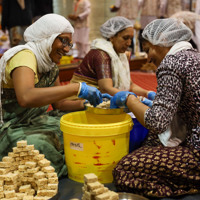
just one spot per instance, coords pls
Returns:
(96, 157)
(99, 147)
(98, 164)
(78, 163)
(113, 141)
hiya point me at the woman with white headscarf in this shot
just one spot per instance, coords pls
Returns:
(30, 82)
(106, 65)
(168, 163)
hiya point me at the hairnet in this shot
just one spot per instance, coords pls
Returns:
(46, 26)
(114, 25)
(166, 32)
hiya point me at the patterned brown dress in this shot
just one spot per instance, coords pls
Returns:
(157, 171)
(96, 65)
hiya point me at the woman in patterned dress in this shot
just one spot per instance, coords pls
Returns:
(168, 163)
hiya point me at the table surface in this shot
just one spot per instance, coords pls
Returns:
(69, 189)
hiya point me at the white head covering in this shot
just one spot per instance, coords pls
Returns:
(119, 63)
(114, 25)
(39, 37)
(166, 32)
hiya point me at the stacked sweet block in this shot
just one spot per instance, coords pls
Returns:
(94, 190)
(25, 174)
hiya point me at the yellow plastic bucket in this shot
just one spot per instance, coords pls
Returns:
(94, 143)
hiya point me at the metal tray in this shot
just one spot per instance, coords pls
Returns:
(130, 196)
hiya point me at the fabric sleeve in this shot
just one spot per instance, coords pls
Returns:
(168, 96)
(102, 64)
(22, 58)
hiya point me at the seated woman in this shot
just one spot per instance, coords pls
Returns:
(106, 65)
(30, 82)
(167, 164)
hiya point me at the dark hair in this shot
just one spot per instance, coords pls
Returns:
(141, 39)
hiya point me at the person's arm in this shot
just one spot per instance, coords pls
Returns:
(66, 104)
(106, 86)
(165, 105)
(29, 96)
(86, 12)
(137, 108)
(138, 90)
(82, 15)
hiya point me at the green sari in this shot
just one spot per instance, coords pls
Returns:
(35, 125)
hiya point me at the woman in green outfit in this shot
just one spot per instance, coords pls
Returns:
(30, 82)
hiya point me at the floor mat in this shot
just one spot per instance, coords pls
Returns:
(145, 80)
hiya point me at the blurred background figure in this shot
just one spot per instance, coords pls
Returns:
(197, 25)
(81, 26)
(126, 8)
(42, 8)
(17, 15)
(169, 7)
(189, 19)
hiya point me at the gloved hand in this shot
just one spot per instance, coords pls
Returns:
(146, 101)
(106, 96)
(119, 99)
(151, 95)
(92, 94)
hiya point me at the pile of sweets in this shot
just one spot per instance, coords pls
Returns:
(94, 190)
(25, 174)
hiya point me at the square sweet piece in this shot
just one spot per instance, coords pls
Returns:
(113, 195)
(24, 188)
(98, 191)
(39, 175)
(48, 169)
(51, 175)
(44, 162)
(21, 143)
(95, 185)
(8, 159)
(104, 196)
(28, 197)
(89, 178)
(9, 194)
